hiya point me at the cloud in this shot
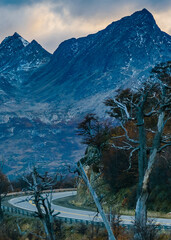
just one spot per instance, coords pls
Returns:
(13, 20)
(52, 21)
(86, 7)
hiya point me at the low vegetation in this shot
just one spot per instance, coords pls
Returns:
(18, 228)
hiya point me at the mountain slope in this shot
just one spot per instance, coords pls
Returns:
(43, 97)
(123, 53)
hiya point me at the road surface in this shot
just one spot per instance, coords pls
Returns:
(21, 202)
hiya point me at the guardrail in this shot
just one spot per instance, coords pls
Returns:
(27, 213)
(30, 192)
(22, 212)
(19, 211)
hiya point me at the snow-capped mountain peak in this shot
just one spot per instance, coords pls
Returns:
(14, 42)
(19, 58)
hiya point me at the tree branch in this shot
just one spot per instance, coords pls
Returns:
(130, 158)
(163, 147)
(127, 137)
(123, 107)
(150, 113)
(127, 148)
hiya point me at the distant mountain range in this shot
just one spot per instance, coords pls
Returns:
(43, 96)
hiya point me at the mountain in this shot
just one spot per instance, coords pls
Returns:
(44, 96)
(18, 60)
(86, 70)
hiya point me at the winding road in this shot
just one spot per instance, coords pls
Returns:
(23, 203)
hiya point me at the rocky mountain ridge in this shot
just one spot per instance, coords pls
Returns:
(18, 60)
(88, 68)
(44, 96)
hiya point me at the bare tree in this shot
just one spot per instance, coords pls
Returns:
(149, 110)
(82, 173)
(37, 184)
(95, 136)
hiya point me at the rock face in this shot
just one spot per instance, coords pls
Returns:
(18, 60)
(85, 70)
(43, 96)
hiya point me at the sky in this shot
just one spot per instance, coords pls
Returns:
(52, 21)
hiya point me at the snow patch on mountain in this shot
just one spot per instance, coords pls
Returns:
(25, 42)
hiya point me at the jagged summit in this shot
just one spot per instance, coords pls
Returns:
(140, 23)
(145, 16)
(14, 38)
(16, 35)
(141, 20)
(19, 58)
(143, 12)
(102, 61)
(138, 18)
(13, 43)
(34, 42)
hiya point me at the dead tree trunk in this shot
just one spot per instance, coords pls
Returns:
(153, 102)
(142, 153)
(46, 219)
(141, 211)
(96, 200)
(43, 206)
